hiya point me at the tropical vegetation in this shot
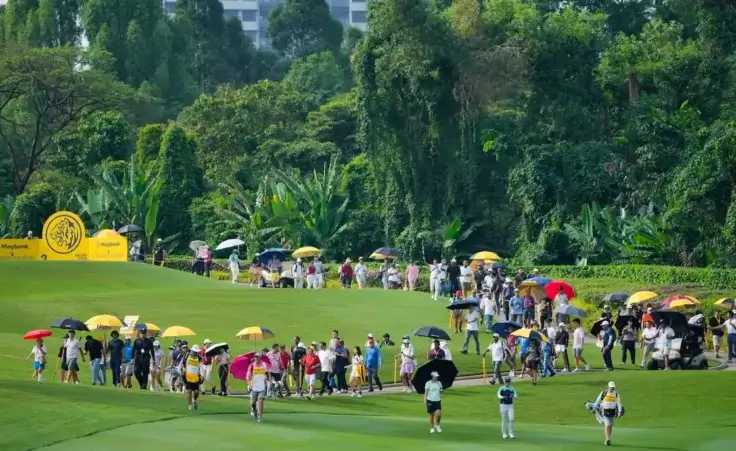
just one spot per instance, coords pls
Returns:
(581, 132)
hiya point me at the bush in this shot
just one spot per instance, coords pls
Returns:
(31, 210)
(647, 274)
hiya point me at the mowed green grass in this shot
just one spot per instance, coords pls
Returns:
(664, 411)
(35, 293)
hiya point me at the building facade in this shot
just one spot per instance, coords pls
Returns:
(254, 15)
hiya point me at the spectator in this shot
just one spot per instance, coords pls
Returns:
(346, 273)
(471, 330)
(436, 353)
(361, 274)
(516, 307)
(412, 274)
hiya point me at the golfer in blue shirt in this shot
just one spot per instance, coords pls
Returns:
(506, 395)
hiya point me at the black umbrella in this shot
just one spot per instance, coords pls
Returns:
(504, 328)
(623, 320)
(388, 252)
(498, 265)
(614, 298)
(432, 332)
(130, 228)
(461, 304)
(446, 369)
(597, 327)
(216, 348)
(69, 324)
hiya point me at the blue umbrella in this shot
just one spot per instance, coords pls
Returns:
(504, 328)
(571, 310)
(460, 304)
(265, 256)
(540, 280)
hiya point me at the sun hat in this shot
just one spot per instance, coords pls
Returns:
(195, 348)
(301, 345)
(156, 343)
(434, 374)
(562, 325)
(612, 384)
(405, 337)
(298, 260)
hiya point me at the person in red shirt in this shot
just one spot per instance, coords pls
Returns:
(311, 368)
(285, 360)
(206, 366)
(312, 276)
(647, 317)
(346, 273)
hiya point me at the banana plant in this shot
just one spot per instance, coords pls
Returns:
(584, 237)
(454, 235)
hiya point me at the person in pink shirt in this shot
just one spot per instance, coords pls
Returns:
(412, 273)
(207, 261)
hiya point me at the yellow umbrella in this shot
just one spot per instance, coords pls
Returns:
(527, 333)
(255, 333)
(727, 303)
(527, 284)
(107, 233)
(537, 292)
(486, 256)
(177, 331)
(103, 322)
(307, 251)
(682, 303)
(641, 296)
(376, 256)
(154, 328)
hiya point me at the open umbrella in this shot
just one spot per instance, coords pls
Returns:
(688, 301)
(530, 334)
(150, 327)
(485, 256)
(307, 251)
(597, 327)
(104, 322)
(432, 332)
(216, 348)
(614, 298)
(227, 244)
(177, 331)
(553, 288)
(196, 244)
(505, 328)
(383, 253)
(239, 366)
(641, 296)
(445, 368)
(682, 303)
(498, 265)
(461, 304)
(265, 256)
(528, 284)
(255, 333)
(539, 280)
(130, 228)
(36, 334)
(727, 303)
(623, 320)
(69, 324)
(106, 233)
(571, 310)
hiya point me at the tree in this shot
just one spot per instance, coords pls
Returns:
(44, 92)
(31, 209)
(302, 27)
(317, 75)
(148, 145)
(7, 204)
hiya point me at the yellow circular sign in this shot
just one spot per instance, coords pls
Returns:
(63, 232)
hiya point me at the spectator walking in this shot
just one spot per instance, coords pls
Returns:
(648, 342)
(529, 309)
(159, 253)
(714, 322)
(453, 275)
(730, 326)
(435, 282)
(516, 307)
(346, 273)
(471, 329)
(578, 343)
(93, 349)
(361, 274)
(408, 363)
(496, 349)
(436, 352)
(234, 265)
(326, 361)
(319, 270)
(562, 340)
(373, 362)
(115, 352)
(357, 374)
(609, 338)
(412, 274)
(38, 352)
(628, 342)
(71, 351)
(488, 307)
(342, 359)
(142, 352)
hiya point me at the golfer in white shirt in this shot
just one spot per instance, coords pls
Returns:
(666, 334)
(578, 342)
(489, 310)
(435, 282)
(471, 330)
(648, 340)
(497, 351)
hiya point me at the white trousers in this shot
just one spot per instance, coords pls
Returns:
(507, 420)
(299, 282)
(435, 288)
(235, 271)
(320, 281)
(312, 281)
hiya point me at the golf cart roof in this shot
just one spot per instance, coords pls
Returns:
(676, 320)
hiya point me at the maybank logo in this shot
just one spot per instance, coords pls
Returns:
(14, 247)
(110, 244)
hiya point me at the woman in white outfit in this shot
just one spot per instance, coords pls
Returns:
(297, 271)
(361, 274)
(506, 395)
(435, 283)
(234, 265)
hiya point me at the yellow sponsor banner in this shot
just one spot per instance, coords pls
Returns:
(64, 237)
(113, 249)
(19, 249)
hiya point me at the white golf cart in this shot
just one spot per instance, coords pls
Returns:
(687, 351)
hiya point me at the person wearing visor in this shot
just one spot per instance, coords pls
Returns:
(433, 402)
(506, 395)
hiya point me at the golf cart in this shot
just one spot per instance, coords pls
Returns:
(687, 350)
(286, 280)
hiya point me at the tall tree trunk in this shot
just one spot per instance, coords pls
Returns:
(633, 88)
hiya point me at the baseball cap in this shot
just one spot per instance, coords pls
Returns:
(561, 325)
(496, 336)
(370, 335)
(649, 310)
(259, 355)
(195, 348)
(156, 343)
(127, 337)
(612, 384)
(434, 374)
(605, 323)
(405, 337)
(301, 345)
(507, 379)
(207, 341)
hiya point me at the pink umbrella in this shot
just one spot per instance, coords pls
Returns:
(241, 364)
(553, 288)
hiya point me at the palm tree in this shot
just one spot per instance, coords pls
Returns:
(312, 208)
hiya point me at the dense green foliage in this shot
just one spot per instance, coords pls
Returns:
(579, 132)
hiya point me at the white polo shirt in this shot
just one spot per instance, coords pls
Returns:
(72, 348)
(496, 351)
(465, 274)
(472, 320)
(730, 326)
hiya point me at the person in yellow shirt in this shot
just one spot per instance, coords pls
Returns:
(192, 376)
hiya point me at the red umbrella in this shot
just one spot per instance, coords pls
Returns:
(36, 334)
(241, 363)
(679, 297)
(553, 288)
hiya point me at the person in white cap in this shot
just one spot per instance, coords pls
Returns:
(371, 339)
(408, 363)
(297, 271)
(206, 366)
(506, 395)
(258, 379)
(609, 404)
(156, 382)
(192, 377)
(497, 354)
(433, 402)
(234, 264)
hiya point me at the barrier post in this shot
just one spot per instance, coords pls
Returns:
(484, 369)
(396, 363)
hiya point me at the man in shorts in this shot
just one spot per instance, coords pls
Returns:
(578, 343)
(258, 379)
(127, 366)
(193, 376)
(71, 347)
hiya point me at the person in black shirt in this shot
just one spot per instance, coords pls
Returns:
(298, 352)
(142, 352)
(520, 276)
(715, 321)
(453, 275)
(480, 275)
(159, 254)
(115, 350)
(562, 339)
(93, 348)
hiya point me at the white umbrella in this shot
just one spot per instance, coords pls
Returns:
(234, 242)
(196, 244)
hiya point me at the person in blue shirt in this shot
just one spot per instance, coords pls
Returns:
(127, 367)
(524, 343)
(547, 367)
(373, 362)
(609, 338)
(506, 395)
(516, 304)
